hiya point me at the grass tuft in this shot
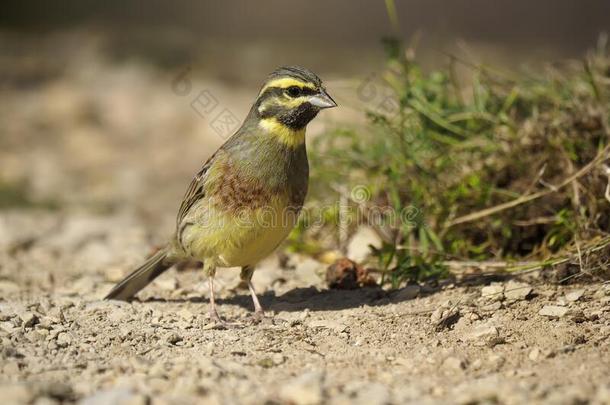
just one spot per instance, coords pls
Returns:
(505, 168)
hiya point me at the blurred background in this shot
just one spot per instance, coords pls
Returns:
(97, 97)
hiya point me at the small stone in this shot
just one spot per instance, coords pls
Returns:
(484, 335)
(577, 316)
(407, 293)
(553, 311)
(29, 319)
(305, 389)
(454, 363)
(516, 291)
(575, 295)
(493, 292)
(534, 354)
(64, 339)
(477, 364)
(173, 338)
(278, 358)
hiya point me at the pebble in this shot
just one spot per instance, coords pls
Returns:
(553, 311)
(534, 354)
(173, 338)
(29, 319)
(575, 295)
(516, 291)
(407, 293)
(454, 363)
(493, 292)
(305, 389)
(494, 306)
(483, 335)
(64, 339)
(278, 358)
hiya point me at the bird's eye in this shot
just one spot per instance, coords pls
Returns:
(294, 91)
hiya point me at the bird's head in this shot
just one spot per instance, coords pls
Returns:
(290, 98)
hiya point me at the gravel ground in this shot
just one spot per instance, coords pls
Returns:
(507, 343)
(112, 147)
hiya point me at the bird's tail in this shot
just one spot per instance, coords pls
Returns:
(141, 277)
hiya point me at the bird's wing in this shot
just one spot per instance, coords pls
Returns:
(195, 190)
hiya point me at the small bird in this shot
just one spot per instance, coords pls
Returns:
(246, 198)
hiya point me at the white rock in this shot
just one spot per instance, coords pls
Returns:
(305, 389)
(575, 295)
(483, 334)
(516, 291)
(553, 311)
(534, 354)
(358, 247)
(64, 339)
(493, 292)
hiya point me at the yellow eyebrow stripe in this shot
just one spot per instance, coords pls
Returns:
(285, 82)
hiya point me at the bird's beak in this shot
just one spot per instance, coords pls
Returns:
(322, 100)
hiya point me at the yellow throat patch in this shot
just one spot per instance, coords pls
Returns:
(284, 134)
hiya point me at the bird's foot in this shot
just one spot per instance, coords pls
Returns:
(259, 316)
(219, 323)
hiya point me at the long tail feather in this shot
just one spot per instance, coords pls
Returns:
(141, 277)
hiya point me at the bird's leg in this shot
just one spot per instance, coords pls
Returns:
(246, 276)
(210, 271)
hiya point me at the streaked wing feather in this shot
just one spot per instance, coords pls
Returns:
(195, 190)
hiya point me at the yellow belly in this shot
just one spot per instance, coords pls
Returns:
(238, 239)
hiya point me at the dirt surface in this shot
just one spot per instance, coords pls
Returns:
(501, 343)
(98, 154)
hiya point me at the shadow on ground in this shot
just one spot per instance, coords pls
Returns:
(299, 299)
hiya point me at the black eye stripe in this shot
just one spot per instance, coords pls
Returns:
(277, 91)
